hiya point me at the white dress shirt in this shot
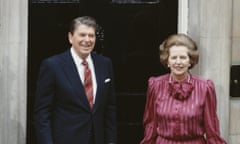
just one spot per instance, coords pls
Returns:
(80, 67)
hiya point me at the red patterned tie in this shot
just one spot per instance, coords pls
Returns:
(88, 85)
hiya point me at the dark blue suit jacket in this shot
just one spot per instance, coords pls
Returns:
(62, 114)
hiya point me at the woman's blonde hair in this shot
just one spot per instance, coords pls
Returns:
(179, 40)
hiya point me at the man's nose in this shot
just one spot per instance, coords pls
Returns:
(87, 38)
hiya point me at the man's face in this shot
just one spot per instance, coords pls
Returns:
(83, 40)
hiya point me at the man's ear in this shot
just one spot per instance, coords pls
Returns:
(70, 37)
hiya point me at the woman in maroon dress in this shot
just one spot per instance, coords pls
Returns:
(180, 107)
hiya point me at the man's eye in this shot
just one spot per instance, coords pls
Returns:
(92, 36)
(82, 35)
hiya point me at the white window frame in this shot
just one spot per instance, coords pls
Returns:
(183, 16)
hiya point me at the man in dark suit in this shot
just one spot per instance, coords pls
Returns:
(62, 112)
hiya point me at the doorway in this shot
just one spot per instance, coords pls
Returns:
(130, 33)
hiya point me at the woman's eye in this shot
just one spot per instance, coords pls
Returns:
(183, 57)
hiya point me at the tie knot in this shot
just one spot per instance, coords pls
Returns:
(84, 62)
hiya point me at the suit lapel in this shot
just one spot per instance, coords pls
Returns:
(71, 72)
(99, 79)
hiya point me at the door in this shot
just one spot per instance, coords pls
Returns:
(130, 34)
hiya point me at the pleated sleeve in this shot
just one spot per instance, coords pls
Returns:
(211, 122)
(149, 118)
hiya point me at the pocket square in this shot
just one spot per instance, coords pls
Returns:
(107, 80)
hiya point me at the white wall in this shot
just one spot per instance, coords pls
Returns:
(234, 132)
(13, 71)
(210, 25)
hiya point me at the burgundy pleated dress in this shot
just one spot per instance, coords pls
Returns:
(181, 112)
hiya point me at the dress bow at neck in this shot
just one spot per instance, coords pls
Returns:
(180, 90)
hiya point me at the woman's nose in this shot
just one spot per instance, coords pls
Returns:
(178, 61)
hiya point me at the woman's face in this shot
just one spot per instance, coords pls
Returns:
(179, 62)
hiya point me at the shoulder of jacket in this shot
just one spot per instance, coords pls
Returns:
(160, 78)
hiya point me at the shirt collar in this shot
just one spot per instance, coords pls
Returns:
(77, 59)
